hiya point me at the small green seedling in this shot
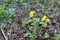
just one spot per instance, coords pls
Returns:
(32, 26)
(5, 15)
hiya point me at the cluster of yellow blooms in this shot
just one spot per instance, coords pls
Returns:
(44, 18)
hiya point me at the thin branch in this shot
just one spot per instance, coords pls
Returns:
(4, 34)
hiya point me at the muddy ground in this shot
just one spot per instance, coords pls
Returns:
(14, 29)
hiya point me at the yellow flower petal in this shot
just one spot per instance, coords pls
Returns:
(31, 14)
(43, 18)
(48, 20)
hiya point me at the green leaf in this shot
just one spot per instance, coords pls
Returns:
(30, 28)
(11, 10)
(32, 36)
(41, 1)
(8, 13)
(3, 23)
(24, 22)
(43, 23)
(29, 20)
(36, 19)
(57, 36)
(26, 34)
(23, 2)
(1, 10)
(46, 35)
(8, 1)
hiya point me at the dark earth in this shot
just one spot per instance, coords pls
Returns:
(14, 29)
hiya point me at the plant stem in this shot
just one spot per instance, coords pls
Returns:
(34, 32)
(4, 34)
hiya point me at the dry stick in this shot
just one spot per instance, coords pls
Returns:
(4, 34)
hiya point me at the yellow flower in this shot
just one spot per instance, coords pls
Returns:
(48, 20)
(31, 14)
(43, 18)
